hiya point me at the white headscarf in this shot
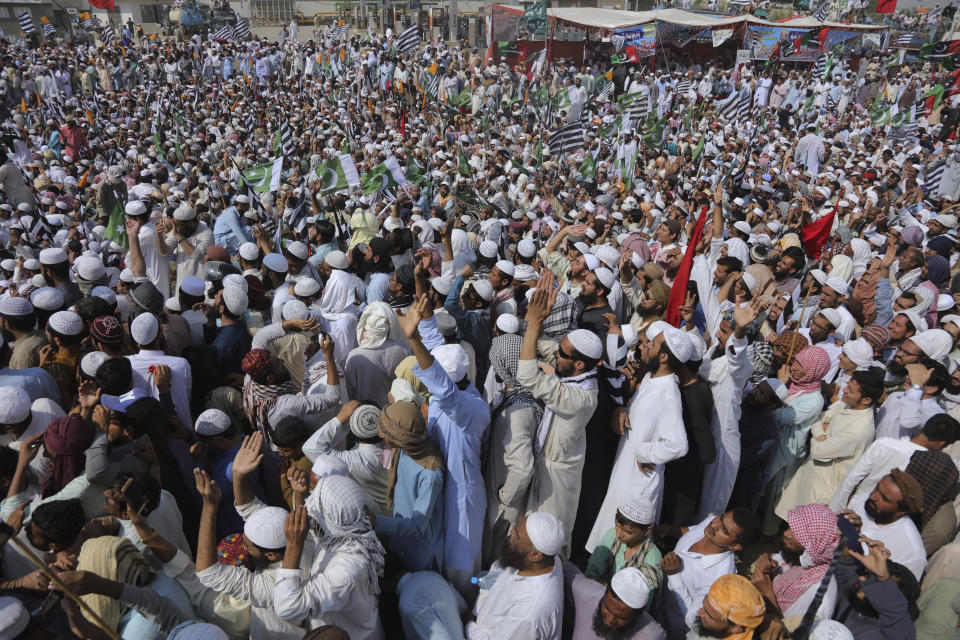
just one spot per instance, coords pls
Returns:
(861, 256)
(462, 251)
(339, 294)
(378, 324)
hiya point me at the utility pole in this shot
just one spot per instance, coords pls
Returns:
(453, 20)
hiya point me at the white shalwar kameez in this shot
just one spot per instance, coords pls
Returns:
(518, 607)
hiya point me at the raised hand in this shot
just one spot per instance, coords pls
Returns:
(206, 487)
(249, 456)
(296, 526)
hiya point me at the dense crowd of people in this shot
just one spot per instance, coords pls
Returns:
(353, 338)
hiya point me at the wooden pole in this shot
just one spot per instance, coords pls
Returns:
(32, 557)
(803, 310)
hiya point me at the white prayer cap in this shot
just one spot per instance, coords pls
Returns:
(819, 276)
(830, 630)
(31, 264)
(127, 276)
(135, 208)
(8, 264)
(92, 361)
(839, 285)
(104, 293)
(14, 405)
(89, 268)
(936, 343)
(275, 262)
(325, 465)
(506, 267)
(606, 277)
(483, 288)
(592, 261)
(306, 287)
(235, 300)
(53, 256)
(236, 281)
(184, 212)
(364, 421)
(192, 286)
(741, 225)
(196, 630)
(47, 298)
(778, 388)
(947, 219)
(631, 587)
(173, 304)
(441, 284)
(524, 273)
(66, 323)
(242, 199)
(265, 528)
(337, 259)
(859, 351)
(144, 328)
(638, 507)
(833, 316)
(607, 255)
(656, 328)
(699, 346)
(212, 422)
(944, 301)
(915, 318)
(953, 318)
(488, 249)
(249, 251)
(508, 323)
(298, 250)
(546, 533)
(14, 618)
(15, 306)
(526, 248)
(587, 343)
(453, 359)
(294, 310)
(678, 343)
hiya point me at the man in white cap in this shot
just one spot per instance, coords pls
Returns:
(145, 331)
(55, 269)
(457, 419)
(61, 355)
(821, 332)
(570, 398)
(594, 308)
(18, 319)
(904, 411)
(649, 439)
(525, 599)
(263, 541)
(232, 338)
(145, 258)
(21, 419)
(501, 279)
(188, 239)
(617, 610)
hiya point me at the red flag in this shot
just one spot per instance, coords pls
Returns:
(886, 6)
(403, 123)
(822, 36)
(814, 236)
(103, 4)
(678, 292)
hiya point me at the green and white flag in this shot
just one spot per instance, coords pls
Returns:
(116, 226)
(588, 168)
(463, 164)
(699, 148)
(386, 175)
(656, 134)
(883, 115)
(337, 174)
(265, 177)
(535, 15)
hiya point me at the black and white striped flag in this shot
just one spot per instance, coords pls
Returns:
(933, 177)
(106, 35)
(409, 39)
(26, 22)
(340, 31)
(904, 40)
(48, 29)
(820, 15)
(223, 33)
(728, 110)
(683, 85)
(286, 139)
(567, 138)
(743, 107)
(241, 29)
(820, 68)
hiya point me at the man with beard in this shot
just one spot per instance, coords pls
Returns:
(938, 432)
(883, 514)
(263, 542)
(120, 448)
(903, 411)
(732, 608)
(821, 333)
(189, 237)
(376, 270)
(879, 603)
(787, 268)
(790, 579)
(597, 285)
(55, 269)
(526, 597)
(904, 326)
(615, 612)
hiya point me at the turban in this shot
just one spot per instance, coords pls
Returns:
(937, 475)
(910, 490)
(255, 362)
(738, 602)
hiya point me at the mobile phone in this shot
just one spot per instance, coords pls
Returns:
(850, 534)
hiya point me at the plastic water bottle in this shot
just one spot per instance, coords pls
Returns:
(485, 579)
